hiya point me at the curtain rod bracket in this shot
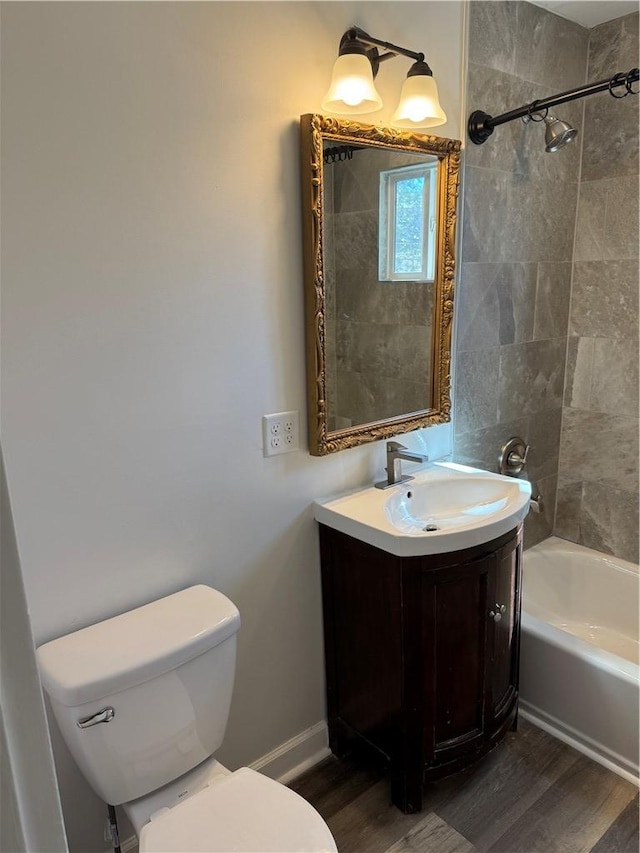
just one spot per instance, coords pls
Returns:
(479, 128)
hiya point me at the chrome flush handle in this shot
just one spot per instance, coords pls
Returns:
(496, 614)
(104, 716)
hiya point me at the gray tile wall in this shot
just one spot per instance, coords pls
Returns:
(549, 267)
(514, 282)
(598, 472)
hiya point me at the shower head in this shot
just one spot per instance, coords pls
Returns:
(558, 133)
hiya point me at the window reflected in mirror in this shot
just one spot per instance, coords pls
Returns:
(406, 236)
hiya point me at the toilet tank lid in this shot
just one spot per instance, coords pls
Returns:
(136, 646)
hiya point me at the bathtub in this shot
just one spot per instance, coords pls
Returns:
(579, 673)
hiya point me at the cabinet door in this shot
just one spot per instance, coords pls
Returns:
(504, 638)
(455, 631)
(363, 630)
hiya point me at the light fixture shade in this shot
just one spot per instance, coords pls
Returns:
(351, 90)
(419, 105)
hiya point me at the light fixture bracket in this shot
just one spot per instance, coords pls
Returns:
(354, 36)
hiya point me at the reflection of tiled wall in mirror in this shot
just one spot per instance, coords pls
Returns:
(328, 248)
(381, 340)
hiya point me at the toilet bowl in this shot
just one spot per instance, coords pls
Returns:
(242, 811)
(142, 701)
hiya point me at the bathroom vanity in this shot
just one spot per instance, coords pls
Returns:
(421, 650)
(421, 654)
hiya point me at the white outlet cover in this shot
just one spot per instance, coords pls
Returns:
(280, 433)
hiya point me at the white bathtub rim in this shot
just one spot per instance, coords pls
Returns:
(626, 669)
(554, 544)
(580, 742)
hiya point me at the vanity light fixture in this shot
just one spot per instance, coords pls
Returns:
(352, 90)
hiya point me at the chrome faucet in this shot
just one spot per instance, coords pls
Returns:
(395, 453)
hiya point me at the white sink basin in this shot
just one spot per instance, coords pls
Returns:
(446, 507)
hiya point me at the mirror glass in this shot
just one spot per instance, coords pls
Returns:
(378, 224)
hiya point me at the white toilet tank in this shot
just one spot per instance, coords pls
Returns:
(162, 673)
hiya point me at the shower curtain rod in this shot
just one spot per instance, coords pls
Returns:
(481, 124)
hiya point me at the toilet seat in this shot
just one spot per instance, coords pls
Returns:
(244, 812)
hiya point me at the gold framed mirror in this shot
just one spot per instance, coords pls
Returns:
(379, 217)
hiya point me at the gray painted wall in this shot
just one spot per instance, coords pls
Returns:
(152, 310)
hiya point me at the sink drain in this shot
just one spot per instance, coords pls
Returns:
(430, 528)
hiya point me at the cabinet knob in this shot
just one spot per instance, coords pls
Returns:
(496, 614)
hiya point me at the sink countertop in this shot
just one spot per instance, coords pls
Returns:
(468, 506)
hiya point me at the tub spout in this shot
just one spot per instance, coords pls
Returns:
(535, 501)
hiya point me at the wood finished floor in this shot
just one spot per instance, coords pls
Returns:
(532, 794)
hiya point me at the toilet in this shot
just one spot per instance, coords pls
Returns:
(142, 701)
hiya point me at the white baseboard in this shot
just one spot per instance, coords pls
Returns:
(578, 741)
(292, 758)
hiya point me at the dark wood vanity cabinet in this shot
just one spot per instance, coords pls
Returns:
(421, 655)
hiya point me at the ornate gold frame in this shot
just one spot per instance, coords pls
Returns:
(314, 130)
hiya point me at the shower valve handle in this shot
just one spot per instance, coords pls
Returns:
(514, 458)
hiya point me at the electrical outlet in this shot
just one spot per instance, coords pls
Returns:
(280, 433)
